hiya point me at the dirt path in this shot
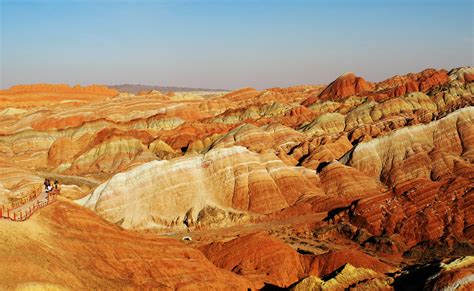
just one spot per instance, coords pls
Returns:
(67, 179)
(281, 226)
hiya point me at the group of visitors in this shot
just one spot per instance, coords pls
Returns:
(49, 187)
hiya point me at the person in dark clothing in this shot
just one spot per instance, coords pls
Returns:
(46, 184)
(56, 183)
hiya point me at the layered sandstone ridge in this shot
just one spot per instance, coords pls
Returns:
(266, 260)
(429, 167)
(222, 187)
(345, 278)
(346, 85)
(356, 184)
(113, 134)
(393, 158)
(28, 96)
(59, 89)
(228, 181)
(65, 246)
(457, 274)
(258, 257)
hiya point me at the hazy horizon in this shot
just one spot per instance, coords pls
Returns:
(228, 44)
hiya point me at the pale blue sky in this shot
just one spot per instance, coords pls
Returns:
(229, 44)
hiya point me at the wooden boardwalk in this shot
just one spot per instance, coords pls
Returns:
(22, 209)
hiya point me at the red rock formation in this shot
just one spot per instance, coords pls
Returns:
(30, 96)
(420, 82)
(259, 258)
(59, 89)
(65, 149)
(248, 160)
(469, 77)
(346, 85)
(232, 179)
(327, 263)
(184, 135)
(66, 246)
(241, 94)
(110, 150)
(420, 209)
(108, 133)
(345, 181)
(457, 274)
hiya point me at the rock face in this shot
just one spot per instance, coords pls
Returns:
(350, 185)
(259, 258)
(420, 82)
(347, 277)
(60, 89)
(229, 179)
(272, 119)
(266, 260)
(350, 85)
(259, 139)
(430, 169)
(413, 152)
(17, 183)
(64, 246)
(458, 274)
(346, 85)
(44, 94)
(332, 261)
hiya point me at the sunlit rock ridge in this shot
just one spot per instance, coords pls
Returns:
(353, 184)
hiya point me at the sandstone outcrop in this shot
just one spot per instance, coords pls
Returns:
(258, 139)
(66, 246)
(329, 262)
(457, 275)
(350, 185)
(347, 277)
(229, 178)
(16, 183)
(27, 96)
(419, 82)
(346, 85)
(259, 258)
(423, 151)
(60, 89)
(430, 169)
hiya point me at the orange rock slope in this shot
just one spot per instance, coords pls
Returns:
(67, 247)
(354, 184)
(27, 96)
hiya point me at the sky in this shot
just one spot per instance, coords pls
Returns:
(229, 44)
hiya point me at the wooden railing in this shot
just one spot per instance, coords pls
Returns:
(15, 204)
(9, 210)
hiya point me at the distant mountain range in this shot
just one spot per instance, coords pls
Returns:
(135, 88)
